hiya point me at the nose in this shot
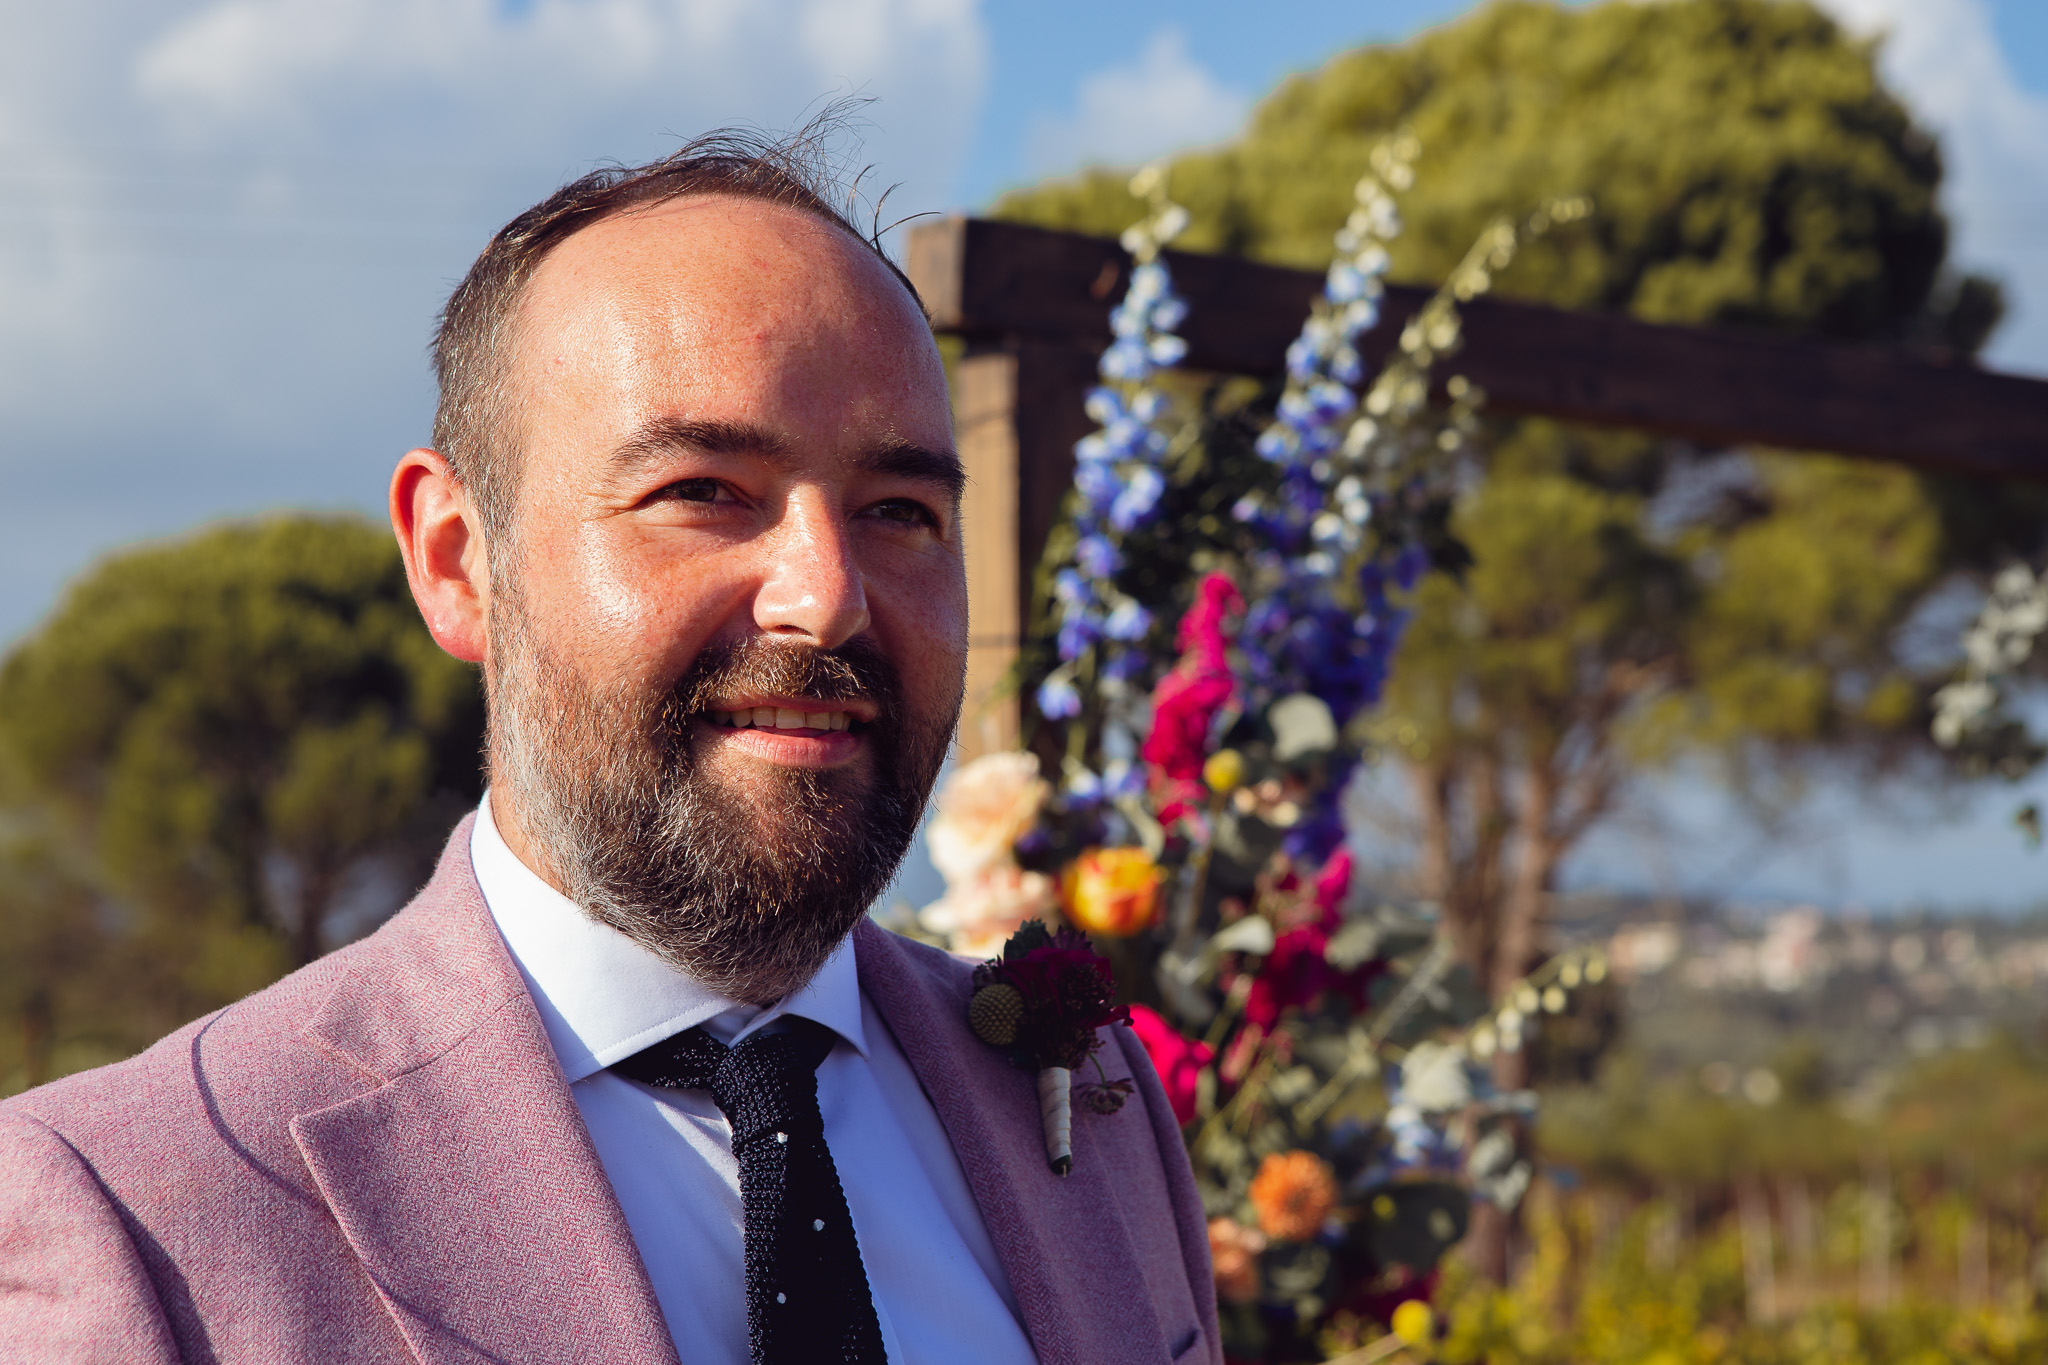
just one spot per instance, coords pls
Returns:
(811, 589)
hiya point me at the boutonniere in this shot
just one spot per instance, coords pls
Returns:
(1041, 1002)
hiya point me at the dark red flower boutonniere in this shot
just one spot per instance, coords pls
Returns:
(1042, 1002)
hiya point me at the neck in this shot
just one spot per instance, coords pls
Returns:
(508, 813)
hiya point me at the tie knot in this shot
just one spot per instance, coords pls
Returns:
(766, 1085)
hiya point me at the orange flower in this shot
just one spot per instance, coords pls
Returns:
(1234, 1252)
(1293, 1193)
(1111, 891)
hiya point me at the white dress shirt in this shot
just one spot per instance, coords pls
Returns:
(939, 1292)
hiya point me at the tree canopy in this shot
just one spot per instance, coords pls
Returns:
(250, 738)
(1747, 164)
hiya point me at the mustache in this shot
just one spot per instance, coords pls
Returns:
(855, 671)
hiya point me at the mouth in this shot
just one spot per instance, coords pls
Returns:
(805, 732)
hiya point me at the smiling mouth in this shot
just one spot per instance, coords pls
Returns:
(783, 718)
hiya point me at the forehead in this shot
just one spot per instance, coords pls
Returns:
(707, 273)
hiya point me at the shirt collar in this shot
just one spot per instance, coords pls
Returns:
(602, 997)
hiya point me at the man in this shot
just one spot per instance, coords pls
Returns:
(633, 1078)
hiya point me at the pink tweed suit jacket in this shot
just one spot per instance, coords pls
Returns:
(377, 1159)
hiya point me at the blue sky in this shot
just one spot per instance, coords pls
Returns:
(225, 227)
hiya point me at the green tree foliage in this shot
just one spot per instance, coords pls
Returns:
(1747, 164)
(1633, 601)
(1909, 1232)
(52, 945)
(252, 740)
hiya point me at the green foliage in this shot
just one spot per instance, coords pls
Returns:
(1619, 1299)
(250, 737)
(1746, 162)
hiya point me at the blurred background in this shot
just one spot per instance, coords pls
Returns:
(226, 227)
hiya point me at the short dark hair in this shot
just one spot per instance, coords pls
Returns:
(471, 342)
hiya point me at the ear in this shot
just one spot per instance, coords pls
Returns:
(440, 536)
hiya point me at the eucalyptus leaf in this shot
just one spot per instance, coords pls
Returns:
(1354, 945)
(1252, 934)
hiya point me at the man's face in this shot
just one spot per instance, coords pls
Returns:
(727, 638)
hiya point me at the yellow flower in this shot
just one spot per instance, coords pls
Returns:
(1413, 1322)
(1111, 891)
(1234, 1254)
(983, 809)
(1224, 772)
(1293, 1193)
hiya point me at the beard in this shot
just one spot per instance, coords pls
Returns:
(746, 889)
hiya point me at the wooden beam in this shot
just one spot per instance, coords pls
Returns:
(1005, 284)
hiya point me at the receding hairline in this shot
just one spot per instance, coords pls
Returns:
(849, 244)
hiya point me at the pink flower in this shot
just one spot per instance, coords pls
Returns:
(1296, 972)
(1188, 698)
(1177, 1059)
(1334, 881)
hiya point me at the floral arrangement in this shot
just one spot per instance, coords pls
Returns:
(1323, 1051)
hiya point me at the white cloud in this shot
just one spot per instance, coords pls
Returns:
(225, 226)
(1124, 115)
(1943, 57)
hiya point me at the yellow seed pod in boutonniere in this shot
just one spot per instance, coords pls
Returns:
(1111, 891)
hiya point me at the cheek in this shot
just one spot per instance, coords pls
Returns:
(624, 611)
(920, 619)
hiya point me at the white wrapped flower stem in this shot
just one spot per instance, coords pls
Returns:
(1056, 1107)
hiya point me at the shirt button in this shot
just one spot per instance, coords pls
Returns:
(782, 1137)
(817, 1225)
(782, 1298)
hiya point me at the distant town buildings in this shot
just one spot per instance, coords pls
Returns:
(1717, 989)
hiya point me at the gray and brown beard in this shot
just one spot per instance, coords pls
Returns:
(748, 892)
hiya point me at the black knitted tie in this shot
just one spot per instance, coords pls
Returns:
(807, 1295)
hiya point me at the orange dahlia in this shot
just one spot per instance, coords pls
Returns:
(1293, 1193)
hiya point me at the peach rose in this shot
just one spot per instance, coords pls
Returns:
(975, 916)
(1234, 1253)
(983, 809)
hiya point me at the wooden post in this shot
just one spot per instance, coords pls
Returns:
(1018, 409)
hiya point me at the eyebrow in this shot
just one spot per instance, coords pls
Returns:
(901, 459)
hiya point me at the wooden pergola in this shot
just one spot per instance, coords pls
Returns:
(1032, 307)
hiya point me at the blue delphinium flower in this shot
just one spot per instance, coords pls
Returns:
(1300, 635)
(1117, 479)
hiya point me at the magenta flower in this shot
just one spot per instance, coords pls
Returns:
(1178, 1059)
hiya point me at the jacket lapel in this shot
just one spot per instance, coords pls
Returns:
(465, 1180)
(1063, 1242)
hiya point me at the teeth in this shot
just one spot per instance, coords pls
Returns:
(783, 718)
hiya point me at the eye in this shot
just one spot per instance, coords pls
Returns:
(905, 512)
(691, 490)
